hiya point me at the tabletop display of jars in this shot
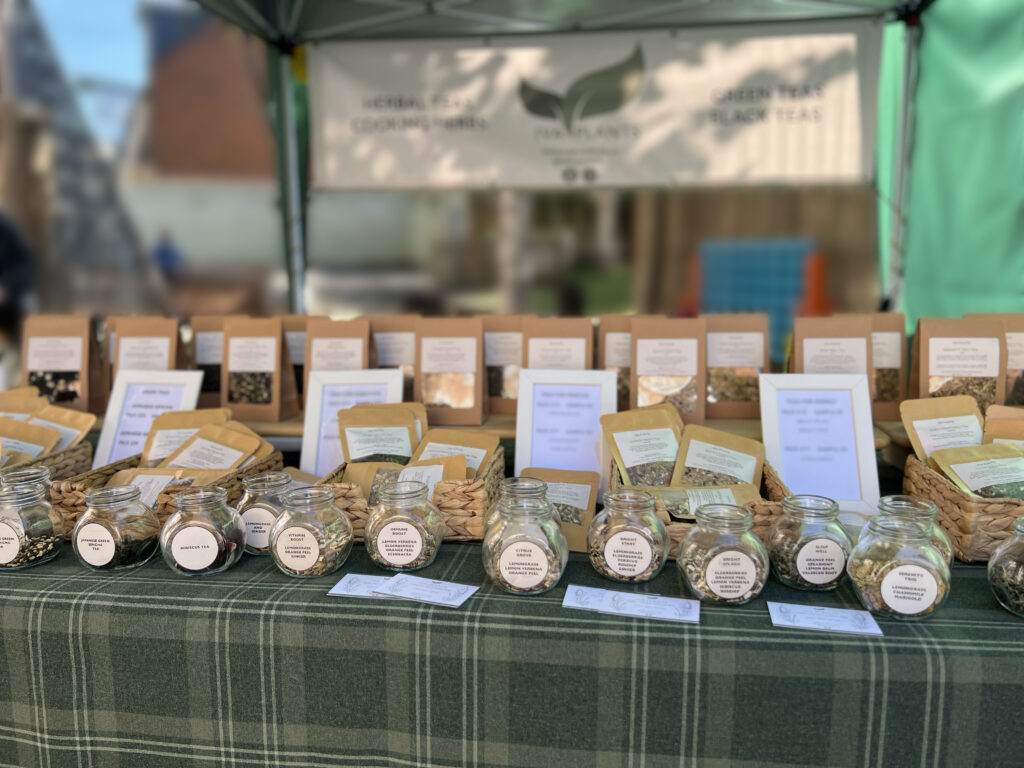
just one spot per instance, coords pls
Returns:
(404, 531)
(524, 550)
(117, 531)
(30, 530)
(312, 537)
(260, 506)
(916, 508)
(204, 535)
(627, 541)
(807, 545)
(720, 560)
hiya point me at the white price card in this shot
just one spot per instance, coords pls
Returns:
(360, 585)
(433, 591)
(823, 619)
(632, 604)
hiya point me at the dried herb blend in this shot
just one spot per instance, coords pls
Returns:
(626, 541)
(405, 530)
(991, 471)
(645, 444)
(1006, 571)
(807, 546)
(720, 560)
(312, 537)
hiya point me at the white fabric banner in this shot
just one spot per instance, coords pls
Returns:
(792, 104)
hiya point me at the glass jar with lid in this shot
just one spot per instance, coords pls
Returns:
(22, 475)
(524, 551)
(1006, 571)
(260, 506)
(807, 545)
(720, 560)
(312, 537)
(404, 531)
(519, 488)
(117, 531)
(30, 531)
(204, 535)
(916, 508)
(626, 541)
(897, 570)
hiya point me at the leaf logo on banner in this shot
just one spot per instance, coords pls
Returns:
(597, 93)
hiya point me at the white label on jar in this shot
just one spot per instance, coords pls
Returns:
(144, 353)
(628, 554)
(617, 349)
(503, 348)
(731, 574)
(258, 522)
(982, 474)
(1015, 351)
(194, 548)
(887, 349)
(252, 354)
(820, 561)
(326, 354)
(909, 589)
(963, 356)
(716, 458)
(10, 542)
(296, 341)
(94, 544)
(523, 565)
(666, 357)
(736, 350)
(568, 354)
(642, 446)
(395, 348)
(54, 353)
(296, 548)
(835, 355)
(209, 347)
(399, 543)
(448, 354)
(948, 432)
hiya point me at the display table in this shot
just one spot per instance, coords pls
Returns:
(252, 668)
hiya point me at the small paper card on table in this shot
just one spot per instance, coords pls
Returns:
(823, 619)
(633, 604)
(432, 591)
(360, 585)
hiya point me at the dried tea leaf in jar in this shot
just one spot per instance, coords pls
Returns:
(312, 537)
(117, 531)
(28, 526)
(807, 545)
(204, 535)
(1006, 571)
(524, 550)
(720, 560)
(626, 541)
(922, 511)
(404, 531)
(260, 507)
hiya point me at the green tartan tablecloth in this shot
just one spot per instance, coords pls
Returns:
(252, 668)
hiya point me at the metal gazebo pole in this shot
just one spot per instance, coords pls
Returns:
(291, 203)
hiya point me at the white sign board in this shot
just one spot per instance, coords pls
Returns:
(794, 103)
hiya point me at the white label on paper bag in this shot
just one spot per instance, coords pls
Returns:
(296, 548)
(365, 441)
(736, 350)
(948, 432)
(448, 354)
(296, 341)
(209, 347)
(982, 474)
(167, 441)
(95, 545)
(54, 353)
(1015, 351)
(887, 349)
(206, 454)
(144, 353)
(575, 495)
(67, 434)
(1008, 440)
(150, 486)
(503, 348)
(966, 356)
(731, 574)
(336, 354)
(10, 542)
(715, 458)
(194, 548)
(909, 589)
(16, 416)
(820, 561)
(835, 355)
(666, 357)
(252, 354)
(617, 349)
(258, 521)
(439, 450)
(523, 565)
(642, 446)
(567, 354)
(399, 543)
(698, 497)
(628, 553)
(13, 444)
(395, 349)
(430, 475)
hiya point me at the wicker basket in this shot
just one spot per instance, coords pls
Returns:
(464, 504)
(766, 511)
(63, 464)
(975, 526)
(68, 495)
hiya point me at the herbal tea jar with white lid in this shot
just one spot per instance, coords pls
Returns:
(204, 535)
(30, 530)
(260, 506)
(807, 545)
(312, 537)
(405, 530)
(720, 560)
(524, 551)
(117, 531)
(626, 541)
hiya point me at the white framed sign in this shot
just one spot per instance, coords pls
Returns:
(137, 398)
(331, 391)
(558, 421)
(818, 434)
